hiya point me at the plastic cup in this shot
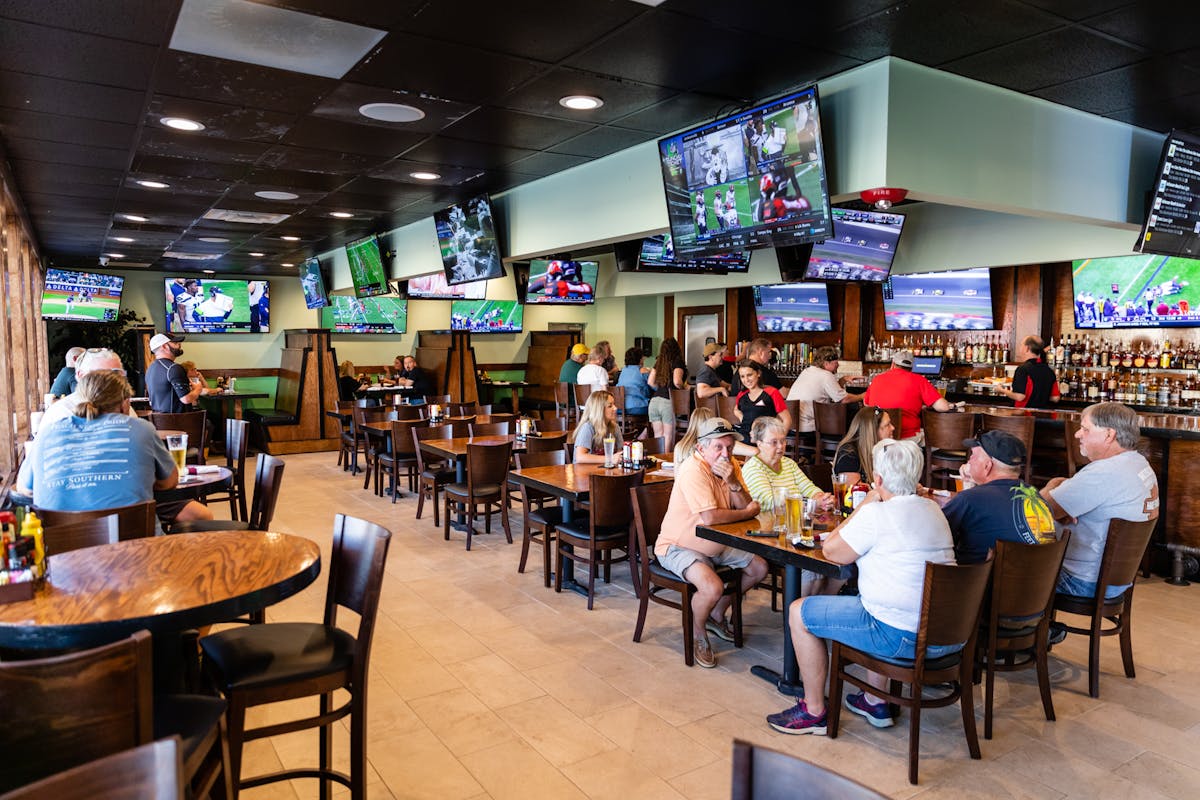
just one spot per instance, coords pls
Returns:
(610, 449)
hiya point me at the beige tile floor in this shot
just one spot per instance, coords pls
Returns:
(485, 684)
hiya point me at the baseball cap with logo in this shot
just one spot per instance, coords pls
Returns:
(1000, 445)
(159, 339)
(714, 427)
(580, 349)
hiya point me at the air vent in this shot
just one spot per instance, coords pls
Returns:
(191, 256)
(248, 217)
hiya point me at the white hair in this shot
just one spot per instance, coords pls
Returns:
(96, 359)
(898, 465)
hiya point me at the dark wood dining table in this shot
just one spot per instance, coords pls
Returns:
(489, 389)
(456, 449)
(194, 487)
(231, 401)
(163, 584)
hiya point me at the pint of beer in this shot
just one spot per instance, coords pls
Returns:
(177, 447)
(795, 512)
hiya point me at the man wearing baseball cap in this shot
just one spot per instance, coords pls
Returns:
(167, 383)
(708, 490)
(575, 359)
(999, 505)
(899, 388)
(708, 382)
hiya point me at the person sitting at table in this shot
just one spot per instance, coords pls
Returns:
(609, 362)
(103, 458)
(756, 400)
(569, 371)
(687, 444)
(890, 536)
(599, 419)
(708, 490)
(593, 373)
(853, 455)
(770, 469)
(196, 379)
(633, 380)
(818, 382)
(65, 380)
(995, 504)
(396, 368)
(414, 377)
(167, 382)
(349, 385)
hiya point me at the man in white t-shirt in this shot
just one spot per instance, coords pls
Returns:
(890, 536)
(818, 383)
(592, 373)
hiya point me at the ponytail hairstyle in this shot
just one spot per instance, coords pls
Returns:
(102, 392)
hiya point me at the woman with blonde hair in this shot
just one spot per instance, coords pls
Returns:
(687, 445)
(599, 419)
(853, 455)
(349, 385)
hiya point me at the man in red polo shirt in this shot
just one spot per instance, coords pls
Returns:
(899, 388)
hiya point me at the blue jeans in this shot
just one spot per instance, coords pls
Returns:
(1069, 584)
(844, 620)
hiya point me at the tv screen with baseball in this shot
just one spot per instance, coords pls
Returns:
(313, 284)
(366, 267)
(784, 307)
(217, 305)
(434, 287)
(960, 300)
(346, 314)
(558, 281)
(81, 296)
(466, 236)
(486, 316)
(1138, 291)
(861, 248)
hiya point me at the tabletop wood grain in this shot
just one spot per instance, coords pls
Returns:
(572, 481)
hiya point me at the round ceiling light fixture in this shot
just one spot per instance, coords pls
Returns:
(182, 124)
(883, 198)
(134, 218)
(268, 194)
(341, 214)
(391, 112)
(290, 238)
(209, 271)
(154, 184)
(257, 255)
(114, 255)
(286, 264)
(422, 175)
(580, 102)
(213, 239)
(123, 239)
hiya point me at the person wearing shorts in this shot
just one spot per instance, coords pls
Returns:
(708, 490)
(891, 536)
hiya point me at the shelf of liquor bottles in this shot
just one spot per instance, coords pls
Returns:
(956, 347)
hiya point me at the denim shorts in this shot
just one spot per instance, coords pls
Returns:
(677, 559)
(661, 410)
(1069, 584)
(844, 620)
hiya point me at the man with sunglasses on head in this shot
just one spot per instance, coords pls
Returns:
(167, 383)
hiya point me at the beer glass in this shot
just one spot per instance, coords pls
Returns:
(795, 512)
(840, 485)
(779, 507)
(177, 447)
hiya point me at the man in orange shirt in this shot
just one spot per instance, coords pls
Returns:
(900, 388)
(708, 490)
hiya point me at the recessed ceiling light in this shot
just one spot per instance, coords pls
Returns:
(213, 239)
(290, 238)
(341, 214)
(209, 271)
(154, 184)
(122, 239)
(580, 102)
(286, 264)
(273, 195)
(391, 112)
(257, 255)
(182, 124)
(424, 176)
(115, 255)
(134, 218)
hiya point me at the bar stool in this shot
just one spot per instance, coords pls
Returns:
(830, 422)
(944, 434)
(1020, 427)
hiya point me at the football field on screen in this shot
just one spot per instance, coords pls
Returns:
(1134, 273)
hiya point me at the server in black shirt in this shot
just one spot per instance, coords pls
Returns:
(1034, 384)
(167, 383)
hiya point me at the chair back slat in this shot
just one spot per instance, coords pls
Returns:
(553, 424)
(951, 603)
(356, 566)
(1023, 577)
(403, 443)
(268, 478)
(946, 431)
(65, 531)
(408, 412)
(652, 445)
(551, 458)
(609, 498)
(542, 444)
(237, 444)
(1123, 550)
(492, 428)
(681, 401)
(487, 464)
(760, 773)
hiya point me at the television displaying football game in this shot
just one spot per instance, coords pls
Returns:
(366, 267)
(313, 284)
(347, 314)
(434, 287)
(754, 179)
(557, 281)
(658, 255)
(486, 316)
(792, 307)
(467, 238)
(81, 296)
(939, 301)
(212, 305)
(861, 248)
(1138, 291)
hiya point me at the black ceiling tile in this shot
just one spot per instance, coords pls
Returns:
(172, 144)
(391, 190)
(541, 164)
(1125, 87)
(305, 159)
(176, 185)
(70, 98)
(1162, 27)
(220, 120)
(292, 180)
(37, 172)
(245, 193)
(459, 153)
(167, 167)
(344, 102)
(1181, 112)
(757, 76)
(620, 96)
(682, 111)
(66, 130)
(60, 153)
(532, 29)
(330, 134)
(73, 187)
(512, 128)
(59, 53)
(142, 236)
(602, 141)
(157, 201)
(238, 84)
(69, 203)
(807, 22)
(147, 21)
(410, 63)
(1077, 9)
(1046, 60)
(358, 204)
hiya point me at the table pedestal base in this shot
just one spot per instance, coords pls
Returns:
(771, 676)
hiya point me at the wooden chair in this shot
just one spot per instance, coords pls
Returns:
(944, 434)
(346, 440)
(681, 407)
(802, 445)
(407, 412)
(553, 424)
(709, 402)
(592, 541)
(950, 610)
(362, 443)
(1076, 460)
(725, 409)
(564, 400)
(493, 428)
(760, 773)
(465, 409)
(487, 468)
(1123, 550)
(582, 392)
(651, 579)
(402, 458)
(440, 399)
(653, 445)
(432, 474)
(237, 445)
(618, 394)
(268, 478)
(190, 422)
(830, 421)
(544, 443)
(282, 661)
(1020, 427)
(493, 418)
(1017, 616)
(65, 531)
(150, 772)
(820, 474)
(536, 511)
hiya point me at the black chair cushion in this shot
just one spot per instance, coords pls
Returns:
(726, 574)
(931, 664)
(439, 475)
(257, 656)
(481, 491)
(271, 417)
(547, 515)
(581, 529)
(191, 717)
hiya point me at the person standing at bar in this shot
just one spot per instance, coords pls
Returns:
(818, 382)
(1034, 384)
(167, 383)
(758, 351)
(899, 388)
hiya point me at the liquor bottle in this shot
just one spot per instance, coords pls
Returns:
(1093, 389)
(949, 351)
(1139, 358)
(1164, 392)
(1164, 357)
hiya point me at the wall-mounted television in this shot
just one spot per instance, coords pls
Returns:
(347, 314)
(658, 255)
(486, 316)
(795, 307)
(81, 296)
(366, 267)
(217, 305)
(960, 300)
(753, 179)
(466, 236)
(861, 248)
(559, 281)
(1172, 226)
(434, 287)
(1138, 291)
(313, 284)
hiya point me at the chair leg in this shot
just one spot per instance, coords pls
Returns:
(504, 523)
(470, 504)
(446, 517)
(547, 537)
(591, 574)
(1094, 658)
(235, 721)
(989, 688)
(324, 747)
(833, 706)
(643, 606)
(1041, 653)
(558, 565)
(914, 736)
(435, 506)
(1127, 635)
(737, 611)
(689, 633)
(420, 501)
(966, 699)
(358, 747)
(526, 535)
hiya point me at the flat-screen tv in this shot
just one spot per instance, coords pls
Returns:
(753, 179)
(1138, 291)
(792, 307)
(1172, 226)
(939, 301)
(466, 236)
(81, 296)
(861, 248)
(658, 255)
(347, 314)
(434, 287)
(313, 284)
(486, 316)
(218, 305)
(558, 281)
(366, 267)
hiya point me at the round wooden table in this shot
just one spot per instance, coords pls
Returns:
(193, 487)
(162, 584)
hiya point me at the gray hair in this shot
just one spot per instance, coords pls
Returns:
(92, 359)
(73, 355)
(898, 465)
(764, 425)
(1007, 469)
(1120, 418)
